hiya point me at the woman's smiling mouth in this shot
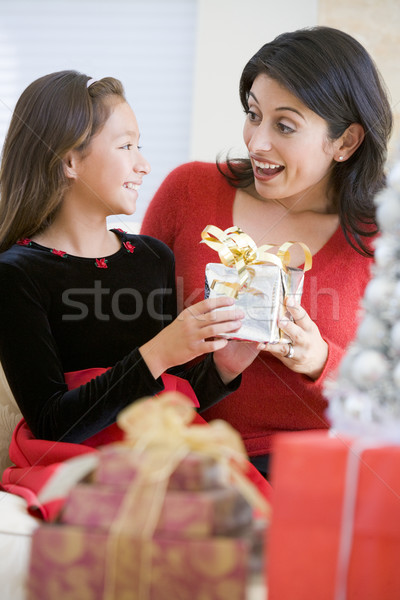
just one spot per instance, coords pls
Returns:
(266, 168)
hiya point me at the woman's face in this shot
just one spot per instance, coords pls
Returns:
(288, 145)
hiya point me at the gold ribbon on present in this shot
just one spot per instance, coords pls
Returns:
(162, 427)
(237, 249)
(160, 435)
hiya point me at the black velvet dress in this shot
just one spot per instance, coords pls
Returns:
(62, 313)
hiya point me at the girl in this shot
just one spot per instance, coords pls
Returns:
(75, 295)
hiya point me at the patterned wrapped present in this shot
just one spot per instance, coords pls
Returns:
(83, 564)
(195, 472)
(205, 513)
(144, 539)
(259, 280)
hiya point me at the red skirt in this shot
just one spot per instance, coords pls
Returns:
(36, 461)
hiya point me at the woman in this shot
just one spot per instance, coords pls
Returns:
(316, 129)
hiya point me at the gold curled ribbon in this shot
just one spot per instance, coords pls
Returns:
(237, 249)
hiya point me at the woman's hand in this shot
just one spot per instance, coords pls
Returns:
(309, 349)
(192, 334)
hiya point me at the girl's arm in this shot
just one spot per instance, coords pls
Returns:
(33, 367)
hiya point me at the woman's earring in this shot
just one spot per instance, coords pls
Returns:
(341, 157)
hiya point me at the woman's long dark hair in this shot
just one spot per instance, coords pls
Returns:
(334, 76)
(55, 114)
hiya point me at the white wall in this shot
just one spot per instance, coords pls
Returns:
(180, 62)
(229, 32)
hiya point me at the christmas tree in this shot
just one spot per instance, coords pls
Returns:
(365, 396)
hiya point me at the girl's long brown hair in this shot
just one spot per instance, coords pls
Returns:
(55, 114)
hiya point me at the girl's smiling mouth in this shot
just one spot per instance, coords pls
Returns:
(131, 186)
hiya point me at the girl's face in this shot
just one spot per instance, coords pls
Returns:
(111, 172)
(288, 146)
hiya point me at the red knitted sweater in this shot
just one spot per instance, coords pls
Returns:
(271, 398)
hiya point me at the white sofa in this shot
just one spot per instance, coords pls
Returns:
(16, 528)
(16, 525)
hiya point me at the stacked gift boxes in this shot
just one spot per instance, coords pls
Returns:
(201, 542)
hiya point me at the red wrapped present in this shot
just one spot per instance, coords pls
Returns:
(335, 529)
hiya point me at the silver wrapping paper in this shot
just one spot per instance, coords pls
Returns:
(261, 298)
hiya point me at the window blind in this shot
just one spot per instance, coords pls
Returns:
(148, 44)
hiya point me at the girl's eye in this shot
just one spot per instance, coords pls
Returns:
(129, 146)
(285, 128)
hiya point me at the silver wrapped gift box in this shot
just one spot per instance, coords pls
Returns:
(261, 298)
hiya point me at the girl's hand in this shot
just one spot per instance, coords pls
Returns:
(310, 351)
(235, 358)
(191, 334)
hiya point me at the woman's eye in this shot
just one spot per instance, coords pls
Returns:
(251, 115)
(285, 128)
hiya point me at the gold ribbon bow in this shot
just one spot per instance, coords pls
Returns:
(237, 249)
(161, 429)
